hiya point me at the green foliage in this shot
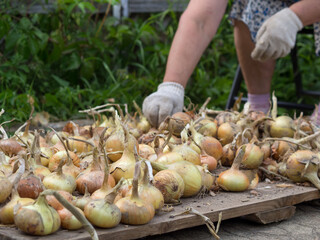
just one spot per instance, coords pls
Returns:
(72, 58)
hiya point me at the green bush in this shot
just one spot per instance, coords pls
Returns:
(72, 58)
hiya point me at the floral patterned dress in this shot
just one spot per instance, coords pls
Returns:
(254, 12)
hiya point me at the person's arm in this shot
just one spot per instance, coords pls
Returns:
(277, 35)
(197, 26)
(307, 10)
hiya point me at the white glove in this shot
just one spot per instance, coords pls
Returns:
(277, 35)
(167, 100)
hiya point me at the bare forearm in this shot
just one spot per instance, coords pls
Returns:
(308, 11)
(191, 39)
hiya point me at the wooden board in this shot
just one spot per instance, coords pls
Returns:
(266, 197)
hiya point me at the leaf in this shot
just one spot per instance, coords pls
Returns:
(60, 81)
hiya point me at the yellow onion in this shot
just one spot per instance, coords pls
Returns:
(233, 179)
(92, 177)
(68, 220)
(134, 210)
(224, 117)
(145, 151)
(148, 192)
(170, 157)
(280, 148)
(5, 187)
(107, 185)
(81, 201)
(187, 153)
(253, 156)
(210, 161)
(6, 212)
(103, 212)
(189, 173)
(60, 181)
(47, 152)
(77, 146)
(143, 124)
(53, 139)
(53, 202)
(228, 154)
(209, 145)
(207, 178)
(207, 127)
(38, 218)
(124, 167)
(227, 131)
(303, 165)
(282, 127)
(30, 186)
(56, 158)
(10, 147)
(170, 184)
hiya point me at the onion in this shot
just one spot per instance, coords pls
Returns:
(78, 146)
(30, 186)
(170, 184)
(187, 153)
(282, 127)
(92, 177)
(107, 185)
(253, 156)
(149, 192)
(5, 187)
(303, 165)
(224, 117)
(52, 137)
(124, 167)
(38, 218)
(227, 131)
(189, 173)
(145, 151)
(53, 202)
(233, 179)
(10, 146)
(207, 127)
(68, 220)
(116, 141)
(143, 125)
(134, 210)
(228, 154)
(6, 212)
(60, 181)
(102, 212)
(81, 201)
(75, 211)
(176, 123)
(210, 161)
(62, 156)
(207, 178)
(209, 145)
(280, 148)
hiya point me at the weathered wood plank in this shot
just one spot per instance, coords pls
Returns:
(267, 197)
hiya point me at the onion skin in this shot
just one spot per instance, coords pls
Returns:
(297, 169)
(10, 147)
(38, 218)
(59, 181)
(210, 161)
(233, 179)
(30, 187)
(78, 146)
(227, 131)
(145, 151)
(253, 156)
(53, 202)
(93, 179)
(68, 220)
(170, 157)
(62, 156)
(188, 154)
(207, 127)
(178, 122)
(170, 184)
(282, 127)
(115, 143)
(6, 212)
(5, 188)
(228, 155)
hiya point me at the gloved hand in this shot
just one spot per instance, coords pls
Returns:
(167, 100)
(277, 35)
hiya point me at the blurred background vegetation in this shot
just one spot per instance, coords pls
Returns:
(71, 59)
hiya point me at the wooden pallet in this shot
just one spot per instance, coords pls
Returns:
(267, 203)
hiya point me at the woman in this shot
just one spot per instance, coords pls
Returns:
(273, 25)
